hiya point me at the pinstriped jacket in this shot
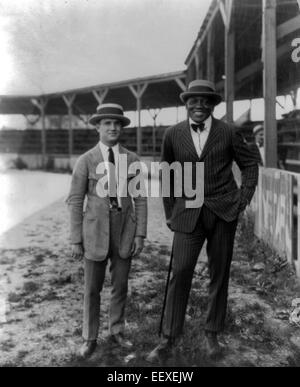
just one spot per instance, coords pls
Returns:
(222, 196)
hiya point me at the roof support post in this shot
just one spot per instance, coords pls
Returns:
(210, 60)
(154, 113)
(180, 84)
(270, 82)
(229, 73)
(197, 64)
(69, 99)
(41, 103)
(138, 90)
(226, 7)
(100, 95)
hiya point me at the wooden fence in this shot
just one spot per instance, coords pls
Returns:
(276, 211)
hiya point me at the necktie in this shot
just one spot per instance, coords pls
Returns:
(200, 126)
(112, 183)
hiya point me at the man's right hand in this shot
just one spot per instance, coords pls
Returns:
(77, 251)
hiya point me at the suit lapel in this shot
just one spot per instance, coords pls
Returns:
(214, 133)
(187, 140)
(97, 155)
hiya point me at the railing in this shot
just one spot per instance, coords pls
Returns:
(29, 141)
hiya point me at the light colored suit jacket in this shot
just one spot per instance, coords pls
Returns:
(91, 227)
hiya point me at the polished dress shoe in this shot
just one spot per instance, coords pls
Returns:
(159, 352)
(212, 345)
(88, 348)
(119, 339)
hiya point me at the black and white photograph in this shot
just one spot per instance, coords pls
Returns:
(150, 186)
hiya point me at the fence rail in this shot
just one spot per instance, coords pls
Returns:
(29, 141)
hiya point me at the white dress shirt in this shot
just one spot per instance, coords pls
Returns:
(200, 138)
(104, 150)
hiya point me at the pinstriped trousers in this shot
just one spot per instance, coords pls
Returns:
(186, 249)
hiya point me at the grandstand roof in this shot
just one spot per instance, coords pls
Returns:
(162, 91)
(247, 26)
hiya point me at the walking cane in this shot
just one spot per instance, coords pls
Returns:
(166, 294)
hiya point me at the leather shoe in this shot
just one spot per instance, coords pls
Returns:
(160, 351)
(119, 339)
(88, 348)
(212, 345)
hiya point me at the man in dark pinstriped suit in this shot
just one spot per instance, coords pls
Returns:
(202, 138)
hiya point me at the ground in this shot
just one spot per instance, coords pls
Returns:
(41, 296)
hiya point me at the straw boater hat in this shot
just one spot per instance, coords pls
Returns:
(109, 110)
(201, 87)
(257, 129)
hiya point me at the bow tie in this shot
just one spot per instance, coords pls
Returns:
(195, 127)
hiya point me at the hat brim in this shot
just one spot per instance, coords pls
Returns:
(257, 131)
(98, 117)
(214, 96)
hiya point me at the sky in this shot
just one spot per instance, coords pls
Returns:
(56, 45)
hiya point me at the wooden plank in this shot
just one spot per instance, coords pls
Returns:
(229, 11)
(69, 99)
(41, 104)
(210, 57)
(180, 84)
(138, 129)
(297, 263)
(229, 72)
(270, 82)
(274, 217)
(197, 64)
(100, 94)
(138, 92)
(43, 135)
(223, 12)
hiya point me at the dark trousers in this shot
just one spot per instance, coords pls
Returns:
(94, 275)
(186, 249)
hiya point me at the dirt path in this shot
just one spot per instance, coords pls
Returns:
(41, 294)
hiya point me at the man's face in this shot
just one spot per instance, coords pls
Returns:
(109, 130)
(199, 108)
(259, 138)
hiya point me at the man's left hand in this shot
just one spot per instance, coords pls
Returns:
(138, 246)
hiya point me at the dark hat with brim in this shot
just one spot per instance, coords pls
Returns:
(109, 110)
(201, 87)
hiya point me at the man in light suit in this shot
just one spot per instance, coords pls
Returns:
(112, 227)
(202, 138)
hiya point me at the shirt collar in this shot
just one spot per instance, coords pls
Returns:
(104, 148)
(207, 123)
